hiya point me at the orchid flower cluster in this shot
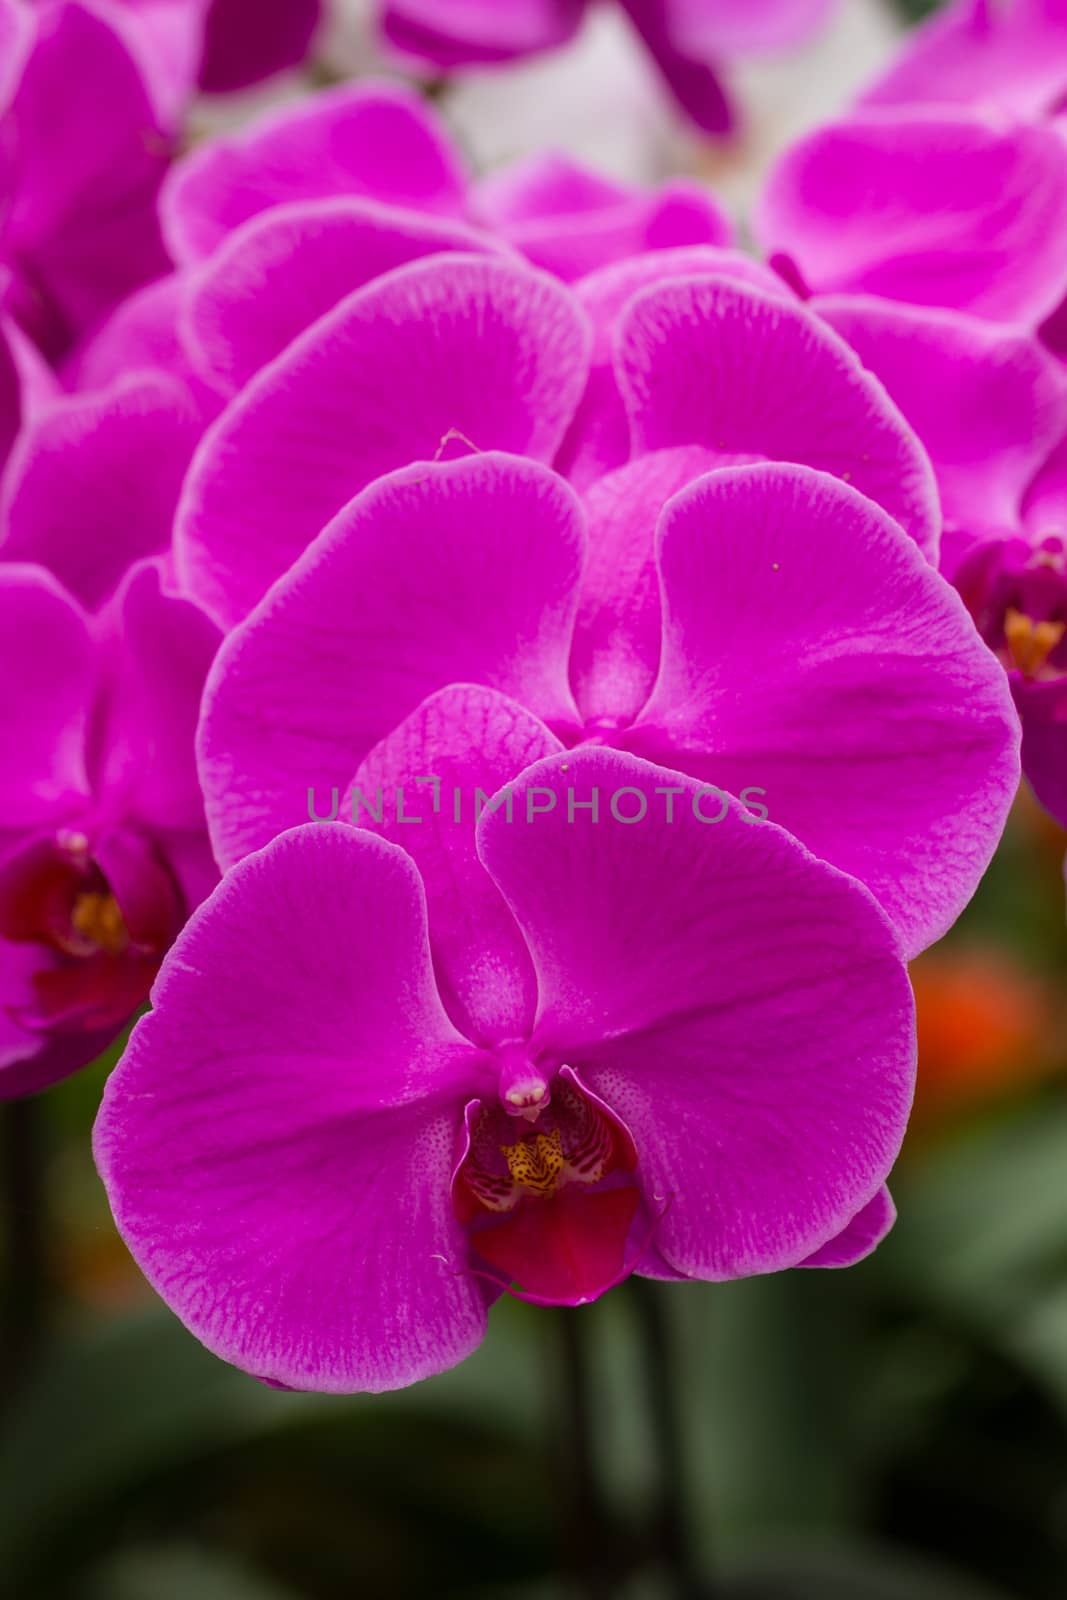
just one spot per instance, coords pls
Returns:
(513, 675)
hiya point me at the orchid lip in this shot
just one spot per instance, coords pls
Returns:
(100, 907)
(549, 1213)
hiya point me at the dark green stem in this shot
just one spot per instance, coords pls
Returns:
(670, 1520)
(588, 1547)
(25, 1225)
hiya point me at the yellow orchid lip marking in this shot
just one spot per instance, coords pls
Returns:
(576, 1141)
(98, 923)
(536, 1163)
(1030, 643)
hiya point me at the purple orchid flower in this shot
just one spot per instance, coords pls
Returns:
(1010, 59)
(766, 629)
(83, 148)
(988, 401)
(929, 206)
(683, 37)
(1016, 588)
(92, 93)
(1009, 54)
(526, 1065)
(272, 229)
(379, 142)
(938, 321)
(376, 141)
(684, 345)
(93, 481)
(483, 353)
(103, 851)
(277, 230)
(93, 477)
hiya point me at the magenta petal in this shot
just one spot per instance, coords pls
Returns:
(379, 141)
(165, 37)
(446, 355)
(423, 787)
(726, 27)
(721, 365)
(16, 36)
(1044, 509)
(144, 888)
(986, 401)
(547, 186)
(30, 1062)
(1043, 709)
(619, 629)
(862, 1235)
(287, 1191)
(160, 648)
(938, 208)
(281, 271)
(142, 335)
(10, 397)
(753, 1027)
(82, 223)
(49, 1061)
(452, 33)
(599, 437)
(85, 998)
(810, 652)
(18, 962)
(40, 385)
(571, 221)
(690, 78)
(188, 857)
(605, 294)
(1010, 56)
(93, 484)
(566, 1250)
(248, 40)
(46, 650)
(465, 571)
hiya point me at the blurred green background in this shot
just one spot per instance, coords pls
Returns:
(894, 1432)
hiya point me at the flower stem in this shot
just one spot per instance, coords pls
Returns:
(588, 1547)
(25, 1292)
(669, 1515)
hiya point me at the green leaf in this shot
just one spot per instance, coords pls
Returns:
(848, 1574)
(983, 1225)
(127, 1425)
(770, 1369)
(178, 1574)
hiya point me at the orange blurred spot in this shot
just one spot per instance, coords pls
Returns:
(987, 1028)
